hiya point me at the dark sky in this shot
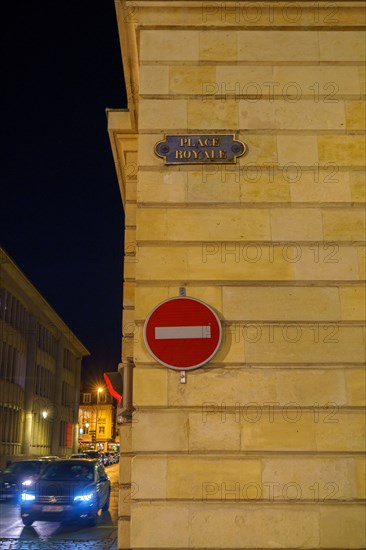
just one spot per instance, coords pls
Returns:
(61, 212)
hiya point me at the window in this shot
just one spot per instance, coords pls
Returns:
(10, 423)
(62, 435)
(86, 397)
(102, 398)
(101, 430)
(66, 394)
(44, 381)
(59, 471)
(46, 341)
(68, 362)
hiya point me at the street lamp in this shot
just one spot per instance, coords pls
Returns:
(99, 391)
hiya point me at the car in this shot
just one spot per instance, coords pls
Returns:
(112, 458)
(95, 454)
(79, 455)
(67, 490)
(51, 457)
(115, 457)
(14, 475)
(108, 459)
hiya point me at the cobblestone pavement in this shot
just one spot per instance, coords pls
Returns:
(61, 544)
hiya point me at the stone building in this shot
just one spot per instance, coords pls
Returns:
(262, 446)
(97, 420)
(39, 372)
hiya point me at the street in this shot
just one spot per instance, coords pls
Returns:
(57, 536)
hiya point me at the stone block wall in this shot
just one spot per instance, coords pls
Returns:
(262, 447)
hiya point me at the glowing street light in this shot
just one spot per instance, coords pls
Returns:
(99, 391)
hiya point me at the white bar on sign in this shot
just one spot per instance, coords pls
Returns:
(170, 333)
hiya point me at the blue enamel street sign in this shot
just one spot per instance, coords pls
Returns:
(200, 149)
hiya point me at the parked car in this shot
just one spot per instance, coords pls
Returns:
(67, 490)
(108, 459)
(112, 458)
(79, 455)
(116, 456)
(51, 457)
(14, 476)
(96, 454)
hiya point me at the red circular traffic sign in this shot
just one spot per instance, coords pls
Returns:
(182, 333)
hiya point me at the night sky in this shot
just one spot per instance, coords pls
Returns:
(61, 211)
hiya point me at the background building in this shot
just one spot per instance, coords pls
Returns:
(262, 447)
(39, 371)
(97, 420)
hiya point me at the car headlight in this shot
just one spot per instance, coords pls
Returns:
(28, 496)
(27, 482)
(85, 498)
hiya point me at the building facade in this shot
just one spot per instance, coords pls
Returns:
(262, 447)
(39, 372)
(97, 421)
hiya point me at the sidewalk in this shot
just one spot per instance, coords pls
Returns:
(64, 544)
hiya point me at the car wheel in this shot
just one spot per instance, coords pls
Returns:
(27, 521)
(106, 505)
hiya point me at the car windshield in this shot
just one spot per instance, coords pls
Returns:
(58, 471)
(27, 468)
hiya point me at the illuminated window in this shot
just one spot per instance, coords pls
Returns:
(102, 398)
(86, 397)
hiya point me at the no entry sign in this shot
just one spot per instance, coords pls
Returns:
(182, 333)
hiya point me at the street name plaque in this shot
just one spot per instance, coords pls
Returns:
(200, 149)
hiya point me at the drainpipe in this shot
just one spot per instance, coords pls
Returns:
(125, 413)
